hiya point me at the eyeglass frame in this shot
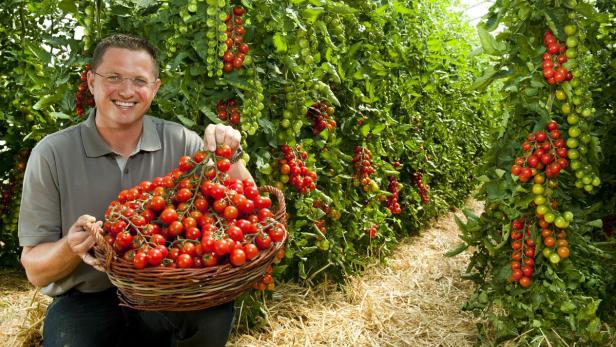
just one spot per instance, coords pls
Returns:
(134, 81)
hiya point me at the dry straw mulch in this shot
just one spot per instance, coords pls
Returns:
(414, 300)
(22, 310)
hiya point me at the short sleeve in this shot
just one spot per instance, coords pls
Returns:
(40, 218)
(194, 142)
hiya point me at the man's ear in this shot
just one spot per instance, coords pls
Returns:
(91, 81)
(157, 85)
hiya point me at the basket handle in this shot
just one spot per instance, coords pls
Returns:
(101, 246)
(281, 212)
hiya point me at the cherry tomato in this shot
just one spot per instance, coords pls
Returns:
(184, 261)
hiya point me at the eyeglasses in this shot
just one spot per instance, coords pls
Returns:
(117, 80)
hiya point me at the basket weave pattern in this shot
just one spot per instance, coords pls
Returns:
(176, 289)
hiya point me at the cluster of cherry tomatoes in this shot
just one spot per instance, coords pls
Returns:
(553, 69)
(523, 256)
(267, 282)
(195, 216)
(83, 97)
(227, 111)
(392, 201)
(424, 189)
(301, 177)
(362, 164)
(545, 156)
(554, 239)
(542, 151)
(236, 47)
(321, 115)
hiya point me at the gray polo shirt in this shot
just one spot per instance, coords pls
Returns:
(73, 172)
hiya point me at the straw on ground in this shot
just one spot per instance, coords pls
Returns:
(413, 301)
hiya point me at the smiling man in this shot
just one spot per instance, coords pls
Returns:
(71, 177)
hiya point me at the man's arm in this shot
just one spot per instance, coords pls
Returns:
(51, 261)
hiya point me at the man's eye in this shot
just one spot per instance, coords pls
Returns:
(114, 78)
(140, 82)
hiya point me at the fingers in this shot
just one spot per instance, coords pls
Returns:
(210, 138)
(81, 222)
(221, 134)
(81, 242)
(92, 261)
(235, 138)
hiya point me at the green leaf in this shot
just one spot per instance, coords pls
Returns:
(209, 114)
(59, 115)
(46, 101)
(489, 43)
(266, 125)
(189, 123)
(489, 76)
(235, 80)
(589, 312)
(328, 94)
(280, 42)
(365, 130)
(588, 10)
(483, 179)
(459, 249)
(311, 14)
(42, 55)
(567, 307)
(69, 6)
(331, 70)
(597, 223)
(339, 8)
(400, 8)
(379, 128)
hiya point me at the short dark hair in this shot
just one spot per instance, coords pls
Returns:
(125, 41)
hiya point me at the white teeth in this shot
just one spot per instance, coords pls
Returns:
(124, 104)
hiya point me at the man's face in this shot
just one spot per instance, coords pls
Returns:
(119, 101)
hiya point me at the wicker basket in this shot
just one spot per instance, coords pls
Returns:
(175, 289)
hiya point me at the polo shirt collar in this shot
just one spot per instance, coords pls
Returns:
(95, 146)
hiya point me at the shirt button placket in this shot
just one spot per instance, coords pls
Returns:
(125, 178)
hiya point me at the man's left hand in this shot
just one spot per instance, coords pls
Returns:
(219, 134)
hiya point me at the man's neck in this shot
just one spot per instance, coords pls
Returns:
(121, 140)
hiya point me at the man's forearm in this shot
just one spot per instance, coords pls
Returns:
(48, 262)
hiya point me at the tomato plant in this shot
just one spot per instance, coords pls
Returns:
(544, 180)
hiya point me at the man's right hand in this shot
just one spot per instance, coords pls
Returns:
(81, 241)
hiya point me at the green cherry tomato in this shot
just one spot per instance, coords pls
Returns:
(572, 42)
(539, 200)
(568, 215)
(542, 210)
(574, 132)
(561, 222)
(570, 29)
(538, 189)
